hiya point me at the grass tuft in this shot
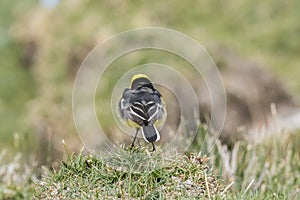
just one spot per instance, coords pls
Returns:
(130, 174)
(15, 177)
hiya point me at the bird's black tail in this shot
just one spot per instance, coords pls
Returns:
(150, 133)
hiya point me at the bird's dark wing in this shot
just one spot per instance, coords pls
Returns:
(142, 105)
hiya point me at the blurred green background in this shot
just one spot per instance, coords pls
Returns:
(256, 45)
(42, 46)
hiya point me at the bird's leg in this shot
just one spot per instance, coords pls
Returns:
(153, 147)
(132, 145)
(137, 139)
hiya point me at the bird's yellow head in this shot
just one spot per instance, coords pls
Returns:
(139, 79)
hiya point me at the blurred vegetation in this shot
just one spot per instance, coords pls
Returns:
(264, 31)
(42, 47)
(16, 173)
(62, 36)
(17, 85)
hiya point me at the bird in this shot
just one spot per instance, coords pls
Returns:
(142, 107)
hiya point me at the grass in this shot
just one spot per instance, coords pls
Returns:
(15, 177)
(268, 169)
(131, 174)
